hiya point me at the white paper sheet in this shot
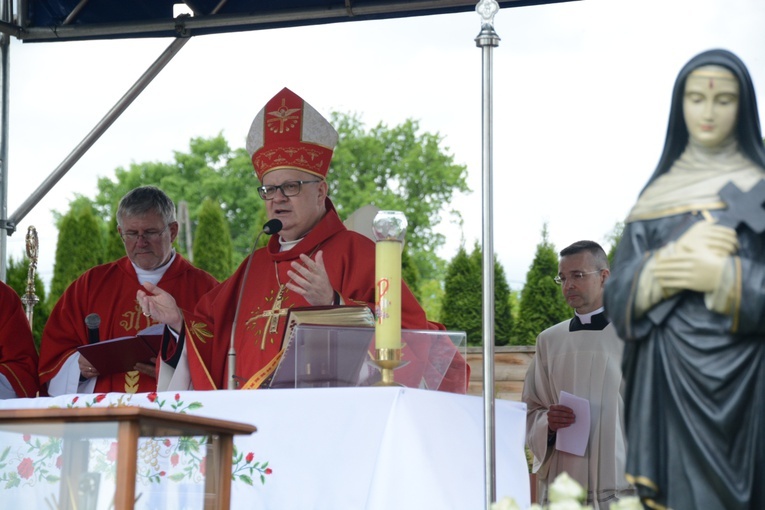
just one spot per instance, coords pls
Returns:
(573, 439)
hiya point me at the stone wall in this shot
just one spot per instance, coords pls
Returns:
(510, 364)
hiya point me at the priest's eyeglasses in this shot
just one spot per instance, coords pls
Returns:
(288, 189)
(148, 235)
(575, 277)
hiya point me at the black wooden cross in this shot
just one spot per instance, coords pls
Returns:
(743, 207)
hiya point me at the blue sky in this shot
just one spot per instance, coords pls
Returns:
(580, 108)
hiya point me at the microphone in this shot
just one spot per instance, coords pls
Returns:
(271, 227)
(93, 321)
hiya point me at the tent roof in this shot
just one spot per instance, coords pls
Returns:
(57, 20)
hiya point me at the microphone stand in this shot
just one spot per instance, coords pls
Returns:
(271, 227)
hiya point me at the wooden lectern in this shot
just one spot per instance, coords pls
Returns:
(126, 424)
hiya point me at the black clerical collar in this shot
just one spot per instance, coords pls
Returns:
(598, 322)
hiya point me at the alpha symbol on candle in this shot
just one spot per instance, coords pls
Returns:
(383, 286)
(381, 308)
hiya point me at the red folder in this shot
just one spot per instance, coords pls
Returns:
(121, 354)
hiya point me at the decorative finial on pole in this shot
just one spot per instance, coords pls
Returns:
(487, 9)
(30, 299)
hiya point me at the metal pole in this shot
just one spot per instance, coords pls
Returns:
(487, 40)
(96, 132)
(5, 48)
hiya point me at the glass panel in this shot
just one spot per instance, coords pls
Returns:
(333, 356)
(72, 466)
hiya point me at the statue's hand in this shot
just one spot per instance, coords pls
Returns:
(705, 236)
(700, 271)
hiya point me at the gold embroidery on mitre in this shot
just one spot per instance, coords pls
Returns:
(313, 154)
(283, 119)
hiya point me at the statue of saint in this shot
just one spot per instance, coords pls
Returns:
(687, 295)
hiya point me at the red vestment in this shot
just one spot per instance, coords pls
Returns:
(349, 259)
(110, 291)
(18, 356)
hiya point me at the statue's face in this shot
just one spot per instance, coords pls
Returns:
(710, 105)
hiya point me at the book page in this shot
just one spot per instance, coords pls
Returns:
(574, 439)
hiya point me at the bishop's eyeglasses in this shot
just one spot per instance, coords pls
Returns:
(148, 235)
(288, 189)
(575, 277)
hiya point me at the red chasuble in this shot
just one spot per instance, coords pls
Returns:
(18, 356)
(349, 258)
(110, 291)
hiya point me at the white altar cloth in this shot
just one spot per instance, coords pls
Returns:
(338, 448)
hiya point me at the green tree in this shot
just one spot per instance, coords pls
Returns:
(399, 169)
(503, 314)
(213, 248)
(431, 292)
(410, 274)
(462, 307)
(80, 246)
(613, 238)
(115, 248)
(17, 275)
(542, 304)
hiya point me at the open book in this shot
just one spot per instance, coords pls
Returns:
(121, 354)
(317, 355)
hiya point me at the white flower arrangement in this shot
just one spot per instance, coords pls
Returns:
(566, 494)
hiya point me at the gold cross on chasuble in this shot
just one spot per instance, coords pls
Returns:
(273, 315)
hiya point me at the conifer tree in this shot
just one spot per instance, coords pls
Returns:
(17, 274)
(613, 238)
(213, 247)
(542, 304)
(115, 248)
(80, 246)
(503, 315)
(462, 308)
(411, 274)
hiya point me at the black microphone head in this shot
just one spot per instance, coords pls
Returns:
(93, 321)
(272, 227)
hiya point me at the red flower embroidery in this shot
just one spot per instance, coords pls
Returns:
(27, 437)
(112, 455)
(162, 473)
(75, 399)
(59, 462)
(174, 459)
(268, 471)
(177, 397)
(203, 466)
(249, 457)
(167, 443)
(152, 396)
(26, 468)
(100, 397)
